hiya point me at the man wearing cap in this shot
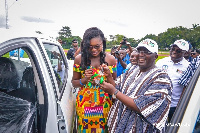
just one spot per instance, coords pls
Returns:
(187, 55)
(195, 53)
(71, 54)
(123, 57)
(142, 95)
(175, 65)
(188, 74)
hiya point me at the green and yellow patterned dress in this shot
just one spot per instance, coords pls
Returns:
(92, 105)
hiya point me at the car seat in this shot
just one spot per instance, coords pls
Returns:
(17, 108)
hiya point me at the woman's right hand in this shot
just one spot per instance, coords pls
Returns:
(88, 75)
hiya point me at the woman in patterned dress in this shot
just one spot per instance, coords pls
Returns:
(92, 103)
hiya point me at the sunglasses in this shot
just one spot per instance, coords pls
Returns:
(95, 47)
(193, 53)
(177, 50)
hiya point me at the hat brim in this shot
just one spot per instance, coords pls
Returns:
(144, 47)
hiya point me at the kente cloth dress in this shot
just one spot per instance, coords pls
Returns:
(92, 105)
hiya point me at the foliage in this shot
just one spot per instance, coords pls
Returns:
(164, 39)
(65, 32)
(66, 37)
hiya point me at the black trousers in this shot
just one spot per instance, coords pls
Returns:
(171, 112)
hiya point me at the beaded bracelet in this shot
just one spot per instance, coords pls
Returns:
(80, 82)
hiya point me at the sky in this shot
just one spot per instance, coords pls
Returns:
(131, 18)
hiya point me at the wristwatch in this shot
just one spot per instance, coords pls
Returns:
(114, 95)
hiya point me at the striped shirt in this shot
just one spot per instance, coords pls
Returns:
(151, 92)
(187, 75)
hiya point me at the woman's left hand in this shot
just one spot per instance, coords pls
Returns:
(108, 88)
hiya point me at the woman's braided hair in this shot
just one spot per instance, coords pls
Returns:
(90, 33)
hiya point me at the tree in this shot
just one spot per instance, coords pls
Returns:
(194, 36)
(133, 42)
(164, 39)
(66, 36)
(65, 32)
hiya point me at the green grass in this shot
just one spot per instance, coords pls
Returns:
(160, 57)
(108, 50)
(6, 55)
(25, 55)
(163, 53)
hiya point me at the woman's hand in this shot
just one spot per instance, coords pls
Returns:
(88, 75)
(108, 88)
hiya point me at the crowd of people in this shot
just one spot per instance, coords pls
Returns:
(127, 90)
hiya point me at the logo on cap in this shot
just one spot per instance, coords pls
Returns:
(149, 43)
(182, 43)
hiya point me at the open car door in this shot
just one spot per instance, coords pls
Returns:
(35, 87)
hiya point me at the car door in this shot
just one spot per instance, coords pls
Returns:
(49, 115)
(186, 118)
(65, 92)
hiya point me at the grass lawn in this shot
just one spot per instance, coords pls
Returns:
(7, 55)
(160, 57)
(162, 54)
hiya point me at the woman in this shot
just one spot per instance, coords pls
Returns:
(93, 104)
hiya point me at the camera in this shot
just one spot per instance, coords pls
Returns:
(117, 52)
(124, 41)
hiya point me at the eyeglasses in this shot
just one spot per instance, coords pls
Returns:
(144, 52)
(177, 50)
(96, 46)
(193, 53)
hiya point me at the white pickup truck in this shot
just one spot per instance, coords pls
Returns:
(36, 94)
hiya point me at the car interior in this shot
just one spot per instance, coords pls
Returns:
(19, 97)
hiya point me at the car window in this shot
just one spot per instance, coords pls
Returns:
(17, 92)
(16, 68)
(57, 63)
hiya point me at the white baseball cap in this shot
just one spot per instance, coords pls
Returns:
(150, 44)
(182, 44)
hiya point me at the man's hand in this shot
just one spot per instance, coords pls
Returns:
(106, 70)
(117, 55)
(128, 44)
(108, 88)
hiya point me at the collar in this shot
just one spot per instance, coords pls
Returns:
(180, 62)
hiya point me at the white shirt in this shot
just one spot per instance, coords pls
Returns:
(174, 70)
(61, 73)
